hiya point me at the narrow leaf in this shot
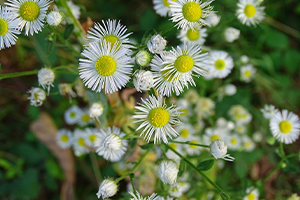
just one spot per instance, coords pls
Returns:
(68, 31)
(182, 168)
(206, 164)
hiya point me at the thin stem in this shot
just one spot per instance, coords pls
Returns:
(95, 167)
(273, 171)
(167, 30)
(132, 184)
(281, 149)
(190, 143)
(134, 167)
(17, 74)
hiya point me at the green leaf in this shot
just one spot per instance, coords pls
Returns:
(49, 47)
(68, 31)
(147, 146)
(182, 168)
(206, 164)
(291, 60)
(277, 40)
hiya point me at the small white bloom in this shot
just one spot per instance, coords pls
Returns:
(173, 156)
(268, 111)
(37, 96)
(107, 188)
(64, 138)
(143, 58)
(231, 34)
(219, 150)
(240, 128)
(186, 132)
(194, 35)
(234, 141)
(156, 44)
(54, 18)
(79, 142)
(230, 89)
(212, 20)
(244, 59)
(257, 136)
(248, 144)
(247, 72)
(162, 7)
(96, 110)
(249, 12)
(72, 115)
(138, 196)
(168, 171)
(66, 89)
(46, 77)
(205, 107)
(192, 96)
(143, 80)
(179, 188)
(294, 197)
(221, 64)
(85, 118)
(74, 9)
(239, 114)
(252, 194)
(194, 149)
(91, 136)
(212, 134)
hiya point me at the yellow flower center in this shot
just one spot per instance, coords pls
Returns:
(85, 118)
(248, 73)
(184, 112)
(29, 11)
(106, 65)
(36, 96)
(233, 141)
(214, 137)
(193, 146)
(81, 142)
(173, 145)
(192, 11)
(184, 133)
(285, 126)
(167, 3)
(158, 117)
(112, 40)
(220, 64)
(72, 114)
(64, 138)
(184, 63)
(92, 138)
(251, 196)
(248, 144)
(168, 76)
(250, 10)
(193, 34)
(3, 27)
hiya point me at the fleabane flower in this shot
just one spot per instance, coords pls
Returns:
(37, 96)
(162, 7)
(205, 107)
(239, 114)
(194, 35)
(252, 194)
(79, 142)
(111, 31)
(96, 110)
(8, 28)
(64, 138)
(46, 77)
(186, 132)
(30, 13)
(91, 135)
(74, 9)
(138, 196)
(212, 134)
(190, 13)
(143, 80)
(192, 149)
(230, 89)
(233, 141)
(248, 144)
(285, 126)
(221, 64)
(72, 115)
(167, 171)
(54, 18)
(247, 72)
(249, 12)
(268, 111)
(156, 44)
(219, 150)
(107, 188)
(157, 119)
(85, 118)
(105, 66)
(212, 20)
(110, 145)
(231, 34)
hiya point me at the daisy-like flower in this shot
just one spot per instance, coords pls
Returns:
(195, 35)
(183, 63)
(249, 12)
(168, 171)
(247, 73)
(79, 142)
(186, 132)
(239, 114)
(110, 145)
(244, 59)
(37, 96)
(107, 188)
(85, 118)
(143, 80)
(138, 196)
(173, 156)
(248, 144)
(233, 141)
(186, 109)
(179, 188)
(162, 7)
(105, 66)
(285, 126)
(240, 128)
(64, 138)
(219, 150)
(190, 13)
(91, 136)
(111, 31)
(212, 134)
(46, 77)
(30, 13)
(252, 194)
(157, 119)
(212, 20)
(221, 64)
(205, 107)
(230, 89)
(231, 34)
(8, 28)
(194, 149)
(164, 82)
(268, 111)
(192, 96)
(72, 115)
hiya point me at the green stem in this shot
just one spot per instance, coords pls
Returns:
(132, 184)
(17, 74)
(281, 149)
(167, 30)
(190, 143)
(273, 171)
(95, 167)
(134, 167)
(222, 193)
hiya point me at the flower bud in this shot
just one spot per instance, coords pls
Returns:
(108, 188)
(219, 150)
(231, 34)
(143, 58)
(96, 110)
(168, 171)
(143, 80)
(46, 77)
(156, 44)
(37, 96)
(54, 18)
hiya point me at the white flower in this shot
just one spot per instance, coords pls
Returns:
(156, 119)
(143, 80)
(192, 96)
(168, 171)
(233, 141)
(221, 64)
(244, 59)
(156, 44)
(193, 149)
(91, 136)
(179, 188)
(105, 67)
(110, 145)
(231, 34)
(37, 96)
(173, 156)
(240, 128)
(138, 196)
(285, 126)
(194, 35)
(212, 134)
(205, 107)
(54, 18)
(294, 197)
(79, 142)
(74, 9)
(162, 7)
(107, 188)
(30, 13)
(239, 114)
(8, 28)
(252, 194)
(249, 12)
(268, 111)
(72, 115)
(257, 136)
(66, 89)
(186, 132)
(219, 150)
(190, 13)
(247, 73)
(248, 144)
(96, 110)
(212, 20)
(85, 118)
(46, 77)
(143, 58)
(230, 89)
(64, 138)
